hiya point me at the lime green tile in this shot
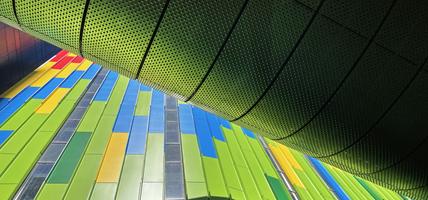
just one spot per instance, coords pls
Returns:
(310, 187)
(130, 179)
(314, 178)
(84, 179)
(154, 167)
(116, 97)
(7, 190)
(228, 167)
(261, 155)
(21, 115)
(196, 190)
(214, 177)
(253, 164)
(101, 136)
(143, 103)
(104, 191)
(57, 118)
(237, 194)
(6, 159)
(25, 160)
(193, 170)
(77, 90)
(245, 175)
(18, 140)
(52, 192)
(90, 120)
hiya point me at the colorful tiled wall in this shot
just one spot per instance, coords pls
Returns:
(71, 130)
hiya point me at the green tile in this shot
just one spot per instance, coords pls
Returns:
(193, 170)
(228, 167)
(104, 191)
(130, 179)
(57, 118)
(116, 97)
(261, 155)
(7, 190)
(23, 134)
(90, 120)
(6, 159)
(372, 191)
(196, 190)
(154, 165)
(214, 177)
(19, 118)
(143, 103)
(77, 90)
(152, 191)
(66, 165)
(101, 136)
(84, 179)
(253, 164)
(278, 188)
(25, 160)
(245, 175)
(52, 192)
(314, 178)
(310, 187)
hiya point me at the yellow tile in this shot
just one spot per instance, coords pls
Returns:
(45, 78)
(53, 100)
(29, 79)
(67, 70)
(85, 65)
(286, 166)
(113, 159)
(71, 54)
(290, 157)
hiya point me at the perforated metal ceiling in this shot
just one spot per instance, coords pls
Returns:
(339, 80)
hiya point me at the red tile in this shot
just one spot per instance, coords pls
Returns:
(77, 59)
(63, 62)
(59, 55)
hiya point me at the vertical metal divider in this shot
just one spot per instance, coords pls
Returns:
(43, 167)
(174, 169)
(284, 178)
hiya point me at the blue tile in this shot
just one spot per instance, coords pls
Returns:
(187, 125)
(224, 122)
(47, 89)
(157, 113)
(205, 141)
(91, 71)
(145, 88)
(72, 79)
(4, 134)
(126, 110)
(16, 103)
(340, 193)
(215, 126)
(248, 133)
(107, 87)
(138, 136)
(3, 102)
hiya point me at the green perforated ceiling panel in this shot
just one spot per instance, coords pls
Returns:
(283, 21)
(57, 22)
(117, 33)
(339, 80)
(6, 13)
(186, 44)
